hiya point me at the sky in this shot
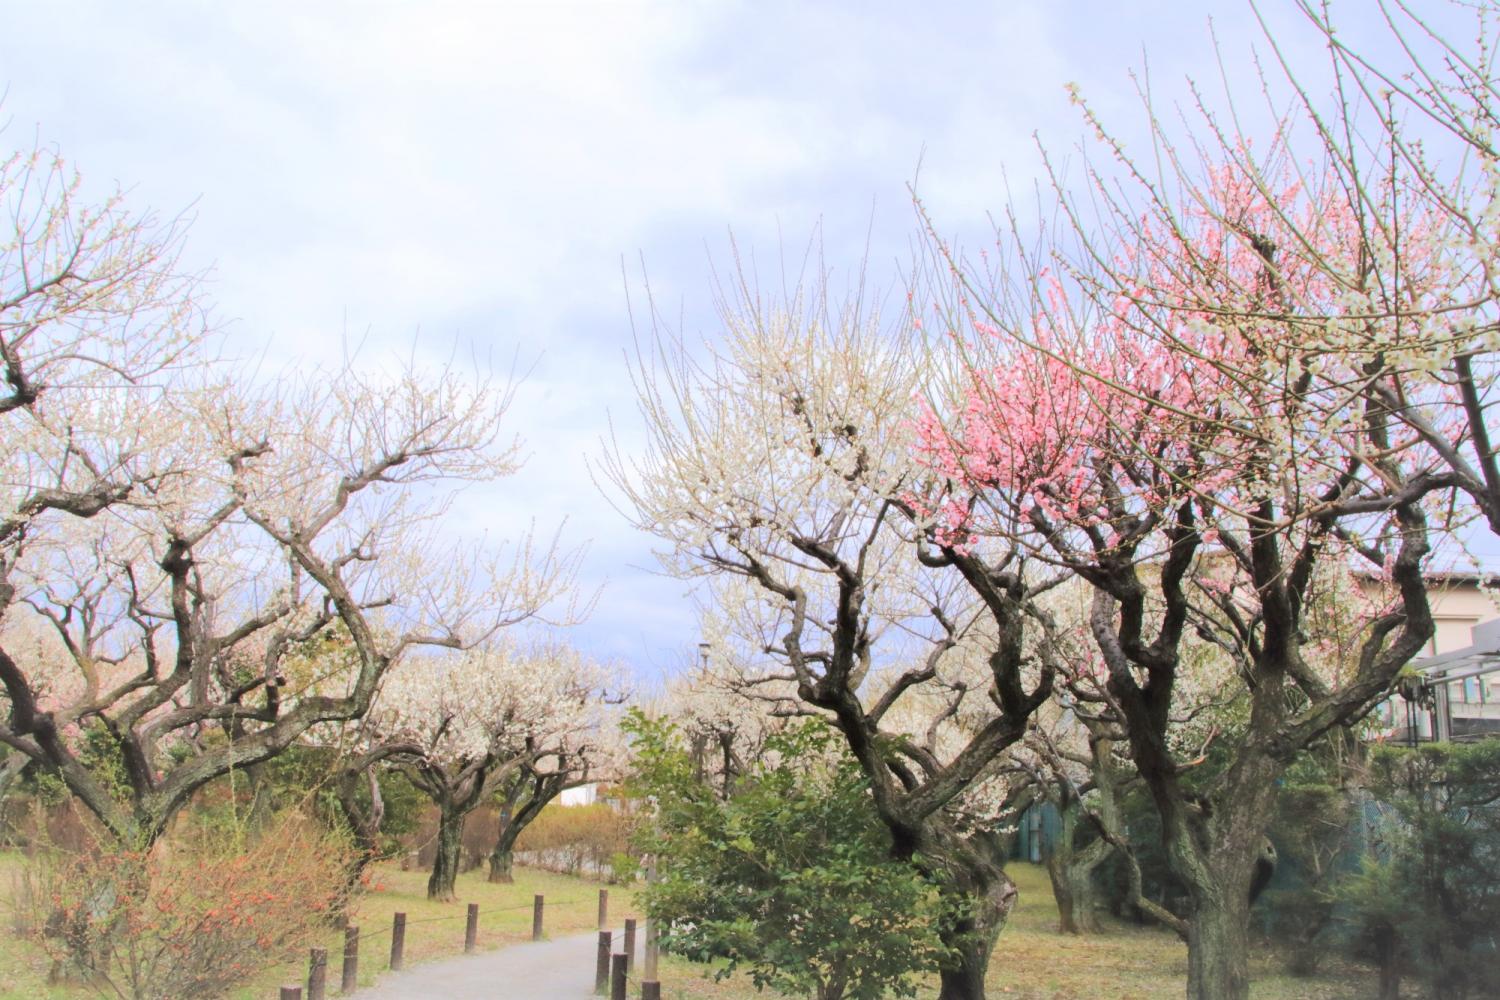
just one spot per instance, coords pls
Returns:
(495, 181)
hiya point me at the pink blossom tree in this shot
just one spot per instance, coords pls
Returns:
(1146, 408)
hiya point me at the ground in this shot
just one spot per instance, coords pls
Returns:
(1032, 962)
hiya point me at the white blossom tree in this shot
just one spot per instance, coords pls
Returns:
(188, 534)
(785, 458)
(528, 721)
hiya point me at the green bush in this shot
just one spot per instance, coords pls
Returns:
(791, 877)
(1427, 900)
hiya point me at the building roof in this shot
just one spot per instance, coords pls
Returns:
(1482, 656)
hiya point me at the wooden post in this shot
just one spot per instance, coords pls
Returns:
(650, 990)
(536, 918)
(629, 944)
(349, 981)
(317, 973)
(653, 932)
(398, 940)
(291, 993)
(601, 966)
(603, 909)
(617, 978)
(471, 930)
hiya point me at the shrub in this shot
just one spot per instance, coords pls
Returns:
(187, 919)
(1428, 899)
(577, 839)
(791, 877)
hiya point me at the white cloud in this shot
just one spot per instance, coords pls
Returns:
(479, 170)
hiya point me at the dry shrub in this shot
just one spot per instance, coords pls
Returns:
(188, 919)
(576, 839)
(30, 824)
(481, 827)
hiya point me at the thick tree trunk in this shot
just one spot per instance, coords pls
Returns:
(1213, 845)
(1073, 887)
(440, 886)
(1219, 947)
(1072, 874)
(990, 895)
(502, 863)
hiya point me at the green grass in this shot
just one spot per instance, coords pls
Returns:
(1032, 961)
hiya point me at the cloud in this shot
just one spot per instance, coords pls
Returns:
(478, 172)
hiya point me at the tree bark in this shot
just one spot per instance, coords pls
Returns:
(987, 895)
(523, 797)
(1219, 947)
(1071, 872)
(1215, 857)
(502, 857)
(364, 825)
(502, 866)
(450, 836)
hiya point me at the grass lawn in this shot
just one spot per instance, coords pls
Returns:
(1032, 962)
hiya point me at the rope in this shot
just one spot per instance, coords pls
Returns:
(388, 930)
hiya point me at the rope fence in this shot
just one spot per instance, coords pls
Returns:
(355, 937)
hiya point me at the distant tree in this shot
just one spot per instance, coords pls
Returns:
(1428, 898)
(192, 538)
(462, 725)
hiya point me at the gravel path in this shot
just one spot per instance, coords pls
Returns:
(547, 970)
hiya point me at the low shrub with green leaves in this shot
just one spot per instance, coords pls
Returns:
(790, 877)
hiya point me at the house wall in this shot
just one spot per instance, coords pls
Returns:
(1458, 604)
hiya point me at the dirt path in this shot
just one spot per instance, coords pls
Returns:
(548, 970)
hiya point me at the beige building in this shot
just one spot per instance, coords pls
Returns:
(1458, 696)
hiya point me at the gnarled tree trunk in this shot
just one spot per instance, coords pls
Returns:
(1071, 871)
(971, 868)
(450, 839)
(990, 898)
(523, 795)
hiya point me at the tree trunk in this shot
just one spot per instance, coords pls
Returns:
(364, 825)
(445, 864)
(1073, 887)
(1219, 945)
(501, 864)
(989, 897)
(262, 798)
(1389, 961)
(1062, 894)
(1071, 872)
(502, 856)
